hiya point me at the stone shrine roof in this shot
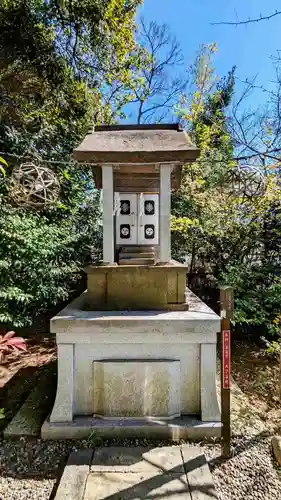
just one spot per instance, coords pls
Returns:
(154, 143)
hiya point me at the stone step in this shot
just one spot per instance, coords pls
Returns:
(136, 249)
(144, 255)
(136, 262)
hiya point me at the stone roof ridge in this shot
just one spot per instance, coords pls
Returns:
(137, 127)
(144, 143)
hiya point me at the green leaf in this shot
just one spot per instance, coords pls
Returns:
(2, 160)
(66, 175)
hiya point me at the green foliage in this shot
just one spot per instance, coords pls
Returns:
(235, 239)
(254, 269)
(201, 196)
(2, 170)
(41, 259)
(59, 64)
(258, 292)
(65, 64)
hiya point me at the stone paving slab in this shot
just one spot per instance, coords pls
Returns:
(140, 486)
(198, 474)
(74, 479)
(123, 473)
(133, 460)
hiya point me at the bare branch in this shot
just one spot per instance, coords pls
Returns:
(249, 21)
(257, 133)
(257, 87)
(159, 90)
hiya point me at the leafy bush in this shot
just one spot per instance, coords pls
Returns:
(55, 80)
(42, 258)
(257, 288)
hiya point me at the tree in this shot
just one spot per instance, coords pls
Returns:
(256, 132)
(57, 61)
(65, 55)
(159, 81)
(233, 236)
(197, 206)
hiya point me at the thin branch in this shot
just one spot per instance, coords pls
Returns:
(160, 88)
(257, 87)
(249, 21)
(260, 154)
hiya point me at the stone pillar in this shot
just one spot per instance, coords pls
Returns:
(108, 220)
(165, 212)
(63, 407)
(210, 411)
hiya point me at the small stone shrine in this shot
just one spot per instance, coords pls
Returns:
(137, 350)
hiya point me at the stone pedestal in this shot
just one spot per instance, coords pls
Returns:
(160, 286)
(135, 364)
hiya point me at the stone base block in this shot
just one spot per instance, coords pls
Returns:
(174, 430)
(149, 363)
(136, 287)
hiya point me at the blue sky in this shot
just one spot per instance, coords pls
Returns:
(249, 47)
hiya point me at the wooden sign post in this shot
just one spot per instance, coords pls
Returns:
(226, 308)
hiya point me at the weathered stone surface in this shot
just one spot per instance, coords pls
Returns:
(132, 486)
(179, 428)
(187, 337)
(28, 420)
(171, 472)
(173, 288)
(63, 407)
(199, 320)
(141, 144)
(198, 474)
(167, 460)
(209, 401)
(178, 375)
(73, 482)
(136, 388)
(136, 287)
(276, 446)
(97, 288)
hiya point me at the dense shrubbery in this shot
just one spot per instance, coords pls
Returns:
(59, 62)
(41, 260)
(238, 243)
